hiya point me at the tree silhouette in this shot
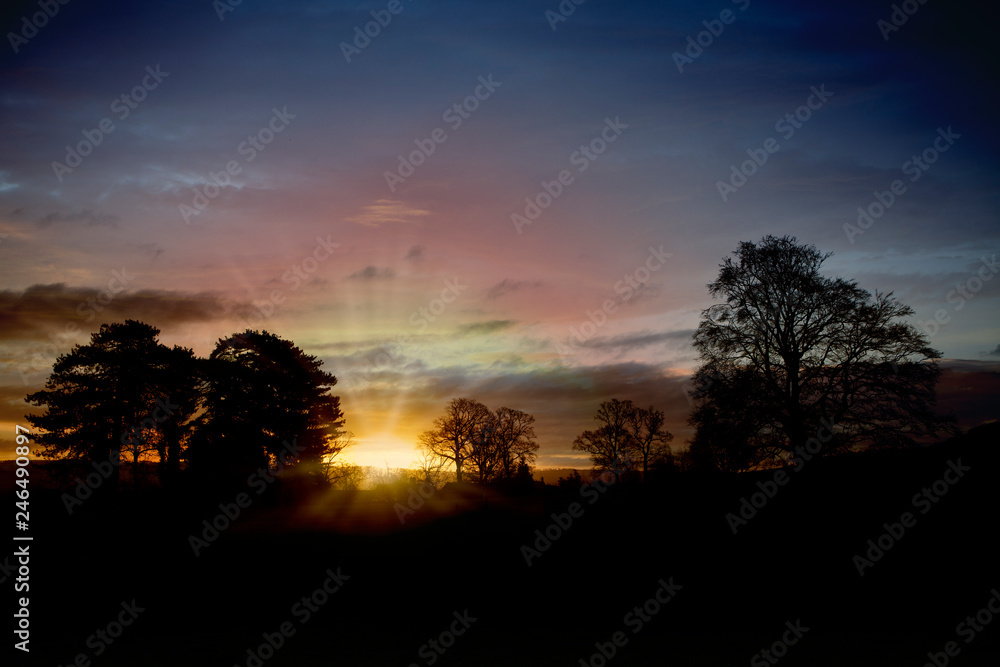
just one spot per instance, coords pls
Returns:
(816, 353)
(735, 432)
(101, 398)
(611, 446)
(650, 440)
(265, 401)
(515, 444)
(500, 443)
(456, 432)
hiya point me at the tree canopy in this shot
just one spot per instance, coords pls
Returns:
(629, 438)
(490, 445)
(125, 396)
(790, 351)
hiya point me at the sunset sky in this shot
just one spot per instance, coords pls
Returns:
(243, 181)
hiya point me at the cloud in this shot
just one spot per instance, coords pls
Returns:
(387, 210)
(150, 250)
(5, 183)
(995, 352)
(634, 341)
(373, 273)
(506, 286)
(970, 390)
(485, 328)
(90, 218)
(416, 253)
(39, 309)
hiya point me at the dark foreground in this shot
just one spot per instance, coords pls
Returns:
(397, 588)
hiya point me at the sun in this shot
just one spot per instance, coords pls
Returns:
(382, 449)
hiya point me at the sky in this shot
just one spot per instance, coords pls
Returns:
(520, 202)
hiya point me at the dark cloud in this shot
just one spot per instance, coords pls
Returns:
(373, 273)
(88, 217)
(506, 286)
(485, 328)
(995, 352)
(970, 390)
(416, 253)
(39, 309)
(635, 341)
(149, 250)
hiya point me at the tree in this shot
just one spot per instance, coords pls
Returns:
(332, 471)
(502, 441)
(734, 431)
(430, 469)
(821, 355)
(612, 446)
(180, 384)
(455, 433)
(265, 400)
(650, 440)
(107, 398)
(515, 434)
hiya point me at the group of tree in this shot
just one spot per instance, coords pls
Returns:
(629, 439)
(483, 446)
(127, 398)
(790, 359)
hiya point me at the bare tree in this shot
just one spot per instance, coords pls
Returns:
(430, 468)
(823, 352)
(454, 433)
(332, 470)
(650, 440)
(514, 434)
(612, 446)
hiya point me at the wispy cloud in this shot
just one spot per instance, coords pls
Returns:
(506, 286)
(635, 341)
(387, 210)
(485, 328)
(86, 216)
(373, 273)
